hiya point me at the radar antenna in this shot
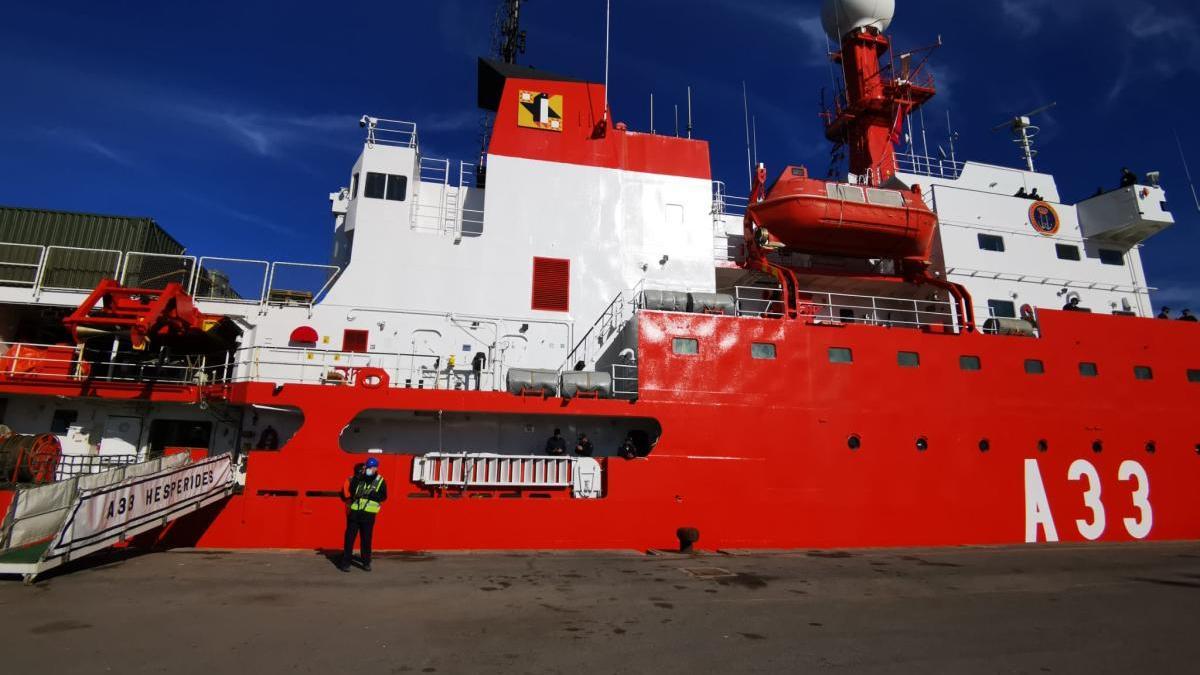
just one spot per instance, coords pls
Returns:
(1023, 130)
(509, 39)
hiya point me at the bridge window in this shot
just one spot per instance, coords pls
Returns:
(841, 355)
(354, 186)
(376, 184)
(1034, 367)
(1087, 369)
(1002, 309)
(970, 363)
(908, 359)
(397, 188)
(762, 350)
(551, 284)
(991, 242)
(1067, 251)
(386, 186)
(685, 346)
(1109, 256)
(1143, 373)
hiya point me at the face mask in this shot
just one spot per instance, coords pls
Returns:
(370, 472)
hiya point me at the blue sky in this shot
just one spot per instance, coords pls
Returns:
(230, 122)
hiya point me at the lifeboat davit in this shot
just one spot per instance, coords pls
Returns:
(816, 216)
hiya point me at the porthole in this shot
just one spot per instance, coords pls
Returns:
(1151, 447)
(1097, 446)
(922, 444)
(985, 445)
(854, 442)
(1043, 445)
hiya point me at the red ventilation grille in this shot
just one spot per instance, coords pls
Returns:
(552, 284)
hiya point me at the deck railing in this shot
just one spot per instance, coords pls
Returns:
(847, 308)
(237, 280)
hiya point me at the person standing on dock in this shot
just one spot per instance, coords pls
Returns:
(363, 493)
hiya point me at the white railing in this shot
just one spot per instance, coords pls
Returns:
(293, 296)
(23, 361)
(845, 308)
(625, 380)
(602, 331)
(398, 133)
(489, 471)
(156, 270)
(923, 165)
(76, 269)
(25, 261)
(213, 283)
(726, 204)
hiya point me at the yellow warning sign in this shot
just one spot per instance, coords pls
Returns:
(539, 110)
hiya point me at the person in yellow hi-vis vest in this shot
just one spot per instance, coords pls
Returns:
(363, 493)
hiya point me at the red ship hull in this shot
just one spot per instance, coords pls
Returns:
(755, 459)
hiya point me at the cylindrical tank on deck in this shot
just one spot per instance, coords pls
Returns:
(840, 17)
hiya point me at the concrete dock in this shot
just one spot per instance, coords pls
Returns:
(1049, 609)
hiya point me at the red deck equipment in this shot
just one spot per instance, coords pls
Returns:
(164, 317)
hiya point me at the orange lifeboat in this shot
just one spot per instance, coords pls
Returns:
(816, 216)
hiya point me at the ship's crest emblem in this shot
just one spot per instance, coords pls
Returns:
(1044, 218)
(539, 110)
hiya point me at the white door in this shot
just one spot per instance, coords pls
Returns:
(121, 435)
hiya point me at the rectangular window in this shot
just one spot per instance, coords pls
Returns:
(840, 355)
(990, 242)
(397, 187)
(376, 183)
(762, 350)
(354, 341)
(1194, 376)
(1143, 373)
(1087, 369)
(1002, 309)
(1034, 367)
(1110, 257)
(908, 359)
(551, 284)
(970, 363)
(354, 186)
(1066, 251)
(685, 346)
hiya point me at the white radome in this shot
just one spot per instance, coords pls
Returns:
(839, 17)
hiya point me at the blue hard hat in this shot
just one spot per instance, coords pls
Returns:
(372, 463)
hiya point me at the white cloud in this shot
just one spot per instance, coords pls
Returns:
(266, 134)
(82, 141)
(1025, 16)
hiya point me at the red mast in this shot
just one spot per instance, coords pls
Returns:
(868, 115)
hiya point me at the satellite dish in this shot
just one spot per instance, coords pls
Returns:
(840, 17)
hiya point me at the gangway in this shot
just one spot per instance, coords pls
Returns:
(489, 471)
(46, 526)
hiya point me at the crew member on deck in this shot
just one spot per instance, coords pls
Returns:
(1187, 315)
(556, 444)
(1164, 313)
(1035, 196)
(1022, 193)
(1128, 178)
(1072, 305)
(583, 446)
(477, 365)
(363, 493)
